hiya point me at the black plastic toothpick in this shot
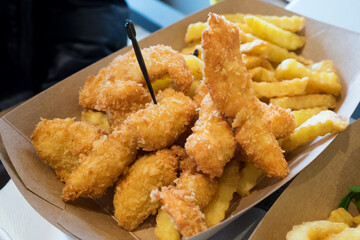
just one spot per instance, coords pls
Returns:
(130, 30)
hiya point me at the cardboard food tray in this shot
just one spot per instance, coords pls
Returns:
(317, 190)
(86, 218)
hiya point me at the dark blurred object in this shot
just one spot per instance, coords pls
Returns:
(44, 41)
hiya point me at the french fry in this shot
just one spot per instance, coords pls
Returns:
(306, 101)
(227, 185)
(279, 89)
(340, 215)
(246, 36)
(165, 229)
(304, 114)
(189, 49)
(278, 54)
(98, 118)
(319, 82)
(292, 24)
(274, 34)
(193, 32)
(356, 220)
(260, 74)
(162, 83)
(195, 66)
(252, 61)
(319, 125)
(257, 47)
(267, 65)
(249, 177)
(323, 66)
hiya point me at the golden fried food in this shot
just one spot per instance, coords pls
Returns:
(282, 120)
(59, 142)
(165, 228)
(315, 230)
(132, 200)
(215, 210)
(181, 206)
(200, 93)
(159, 125)
(121, 98)
(95, 117)
(101, 168)
(212, 143)
(160, 60)
(229, 85)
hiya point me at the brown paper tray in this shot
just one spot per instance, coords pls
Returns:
(86, 219)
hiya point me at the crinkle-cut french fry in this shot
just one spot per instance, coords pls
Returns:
(252, 61)
(319, 82)
(267, 65)
(279, 89)
(195, 65)
(162, 83)
(260, 74)
(323, 66)
(249, 177)
(246, 36)
(340, 215)
(244, 27)
(304, 114)
(274, 34)
(257, 47)
(235, 18)
(278, 54)
(192, 90)
(306, 101)
(193, 32)
(165, 228)
(292, 24)
(215, 211)
(318, 125)
(96, 117)
(189, 49)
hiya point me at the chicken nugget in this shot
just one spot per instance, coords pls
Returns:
(212, 143)
(159, 125)
(132, 200)
(160, 60)
(101, 168)
(59, 142)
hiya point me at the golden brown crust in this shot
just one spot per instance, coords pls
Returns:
(102, 166)
(132, 200)
(59, 142)
(229, 85)
(158, 126)
(212, 143)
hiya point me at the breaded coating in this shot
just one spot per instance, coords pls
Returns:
(121, 98)
(101, 168)
(159, 125)
(200, 93)
(132, 200)
(201, 185)
(181, 206)
(59, 142)
(225, 75)
(212, 143)
(282, 120)
(160, 60)
(229, 85)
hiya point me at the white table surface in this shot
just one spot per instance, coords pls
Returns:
(20, 221)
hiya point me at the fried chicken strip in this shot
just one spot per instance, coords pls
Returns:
(59, 142)
(212, 143)
(229, 85)
(158, 126)
(181, 206)
(282, 121)
(132, 200)
(121, 98)
(101, 168)
(160, 60)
